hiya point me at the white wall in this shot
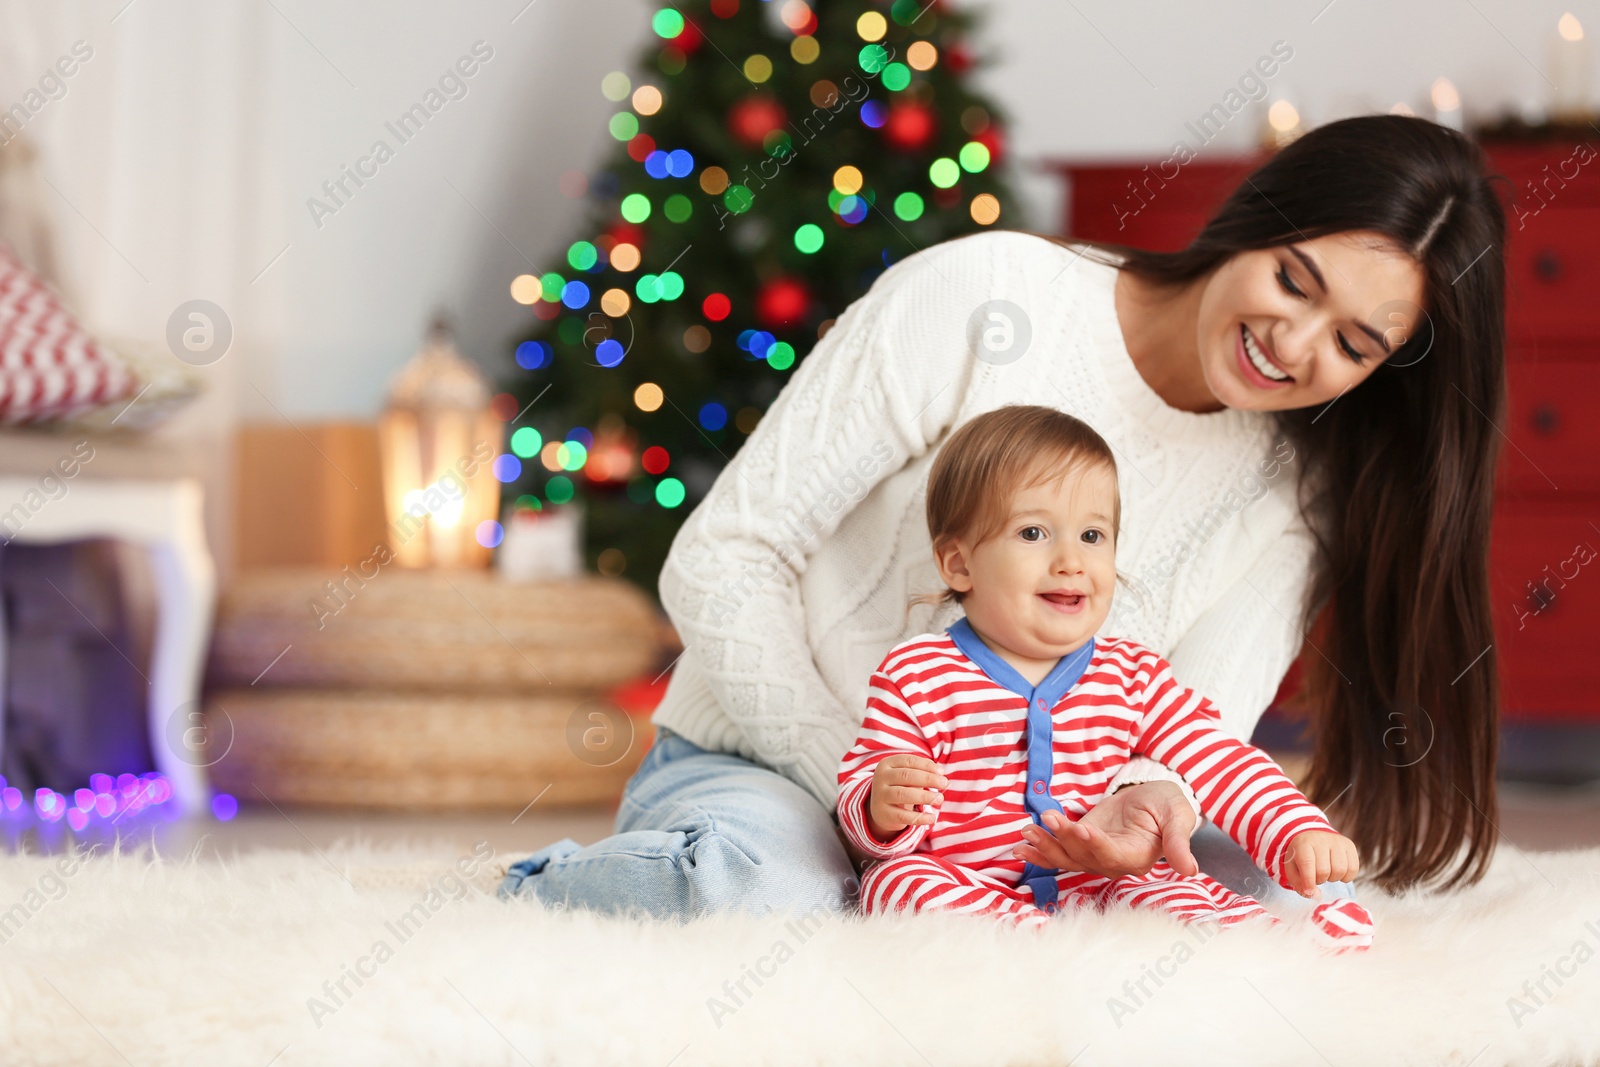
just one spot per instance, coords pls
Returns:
(185, 150)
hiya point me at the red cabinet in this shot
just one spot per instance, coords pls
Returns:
(1544, 565)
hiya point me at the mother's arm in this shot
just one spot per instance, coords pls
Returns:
(877, 391)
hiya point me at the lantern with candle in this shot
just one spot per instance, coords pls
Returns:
(437, 436)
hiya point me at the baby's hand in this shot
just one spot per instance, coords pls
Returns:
(898, 783)
(1316, 856)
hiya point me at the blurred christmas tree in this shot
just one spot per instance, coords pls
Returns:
(775, 157)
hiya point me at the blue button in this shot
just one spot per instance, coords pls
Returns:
(1040, 702)
(1038, 787)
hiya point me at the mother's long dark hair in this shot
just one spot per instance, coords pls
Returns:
(1398, 606)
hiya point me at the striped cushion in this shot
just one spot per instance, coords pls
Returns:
(50, 368)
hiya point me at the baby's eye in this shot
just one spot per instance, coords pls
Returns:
(1094, 537)
(1032, 533)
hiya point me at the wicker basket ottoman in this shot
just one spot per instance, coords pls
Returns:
(426, 689)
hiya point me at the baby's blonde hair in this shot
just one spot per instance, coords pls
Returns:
(995, 456)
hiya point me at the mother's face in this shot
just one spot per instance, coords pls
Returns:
(1297, 325)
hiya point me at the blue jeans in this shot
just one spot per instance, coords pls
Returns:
(1224, 859)
(700, 832)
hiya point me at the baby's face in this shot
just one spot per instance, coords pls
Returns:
(1043, 585)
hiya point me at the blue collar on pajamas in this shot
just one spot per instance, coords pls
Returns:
(1041, 699)
(1062, 677)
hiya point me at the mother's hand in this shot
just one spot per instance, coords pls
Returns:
(1123, 834)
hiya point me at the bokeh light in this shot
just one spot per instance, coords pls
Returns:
(780, 356)
(525, 289)
(623, 125)
(944, 172)
(625, 257)
(678, 208)
(575, 294)
(648, 396)
(526, 442)
(490, 533)
(758, 68)
(697, 338)
(507, 468)
(669, 492)
(635, 207)
(572, 455)
(908, 206)
(667, 23)
(985, 209)
(533, 355)
(647, 100)
(713, 416)
(713, 180)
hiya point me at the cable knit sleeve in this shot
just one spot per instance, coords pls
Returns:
(880, 389)
(1239, 649)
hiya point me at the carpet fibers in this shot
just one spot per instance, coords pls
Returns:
(355, 956)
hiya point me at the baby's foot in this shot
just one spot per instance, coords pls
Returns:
(1342, 925)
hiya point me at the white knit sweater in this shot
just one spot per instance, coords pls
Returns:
(790, 581)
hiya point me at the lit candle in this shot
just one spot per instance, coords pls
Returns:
(1446, 104)
(1569, 67)
(1283, 124)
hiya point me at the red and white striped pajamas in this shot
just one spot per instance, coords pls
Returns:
(930, 698)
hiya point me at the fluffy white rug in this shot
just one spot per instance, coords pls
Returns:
(139, 960)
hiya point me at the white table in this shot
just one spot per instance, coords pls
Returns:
(166, 518)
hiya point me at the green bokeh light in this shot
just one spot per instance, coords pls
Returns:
(780, 356)
(678, 208)
(636, 207)
(526, 442)
(667, 23)
(873, 58)
(808, 238)
(669, 492)
(624, 125)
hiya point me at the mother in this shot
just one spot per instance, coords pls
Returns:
(1303, 404)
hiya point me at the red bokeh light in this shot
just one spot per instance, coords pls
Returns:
(504, 406)
(655, 459)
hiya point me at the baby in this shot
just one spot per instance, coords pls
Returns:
(1018, 709)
